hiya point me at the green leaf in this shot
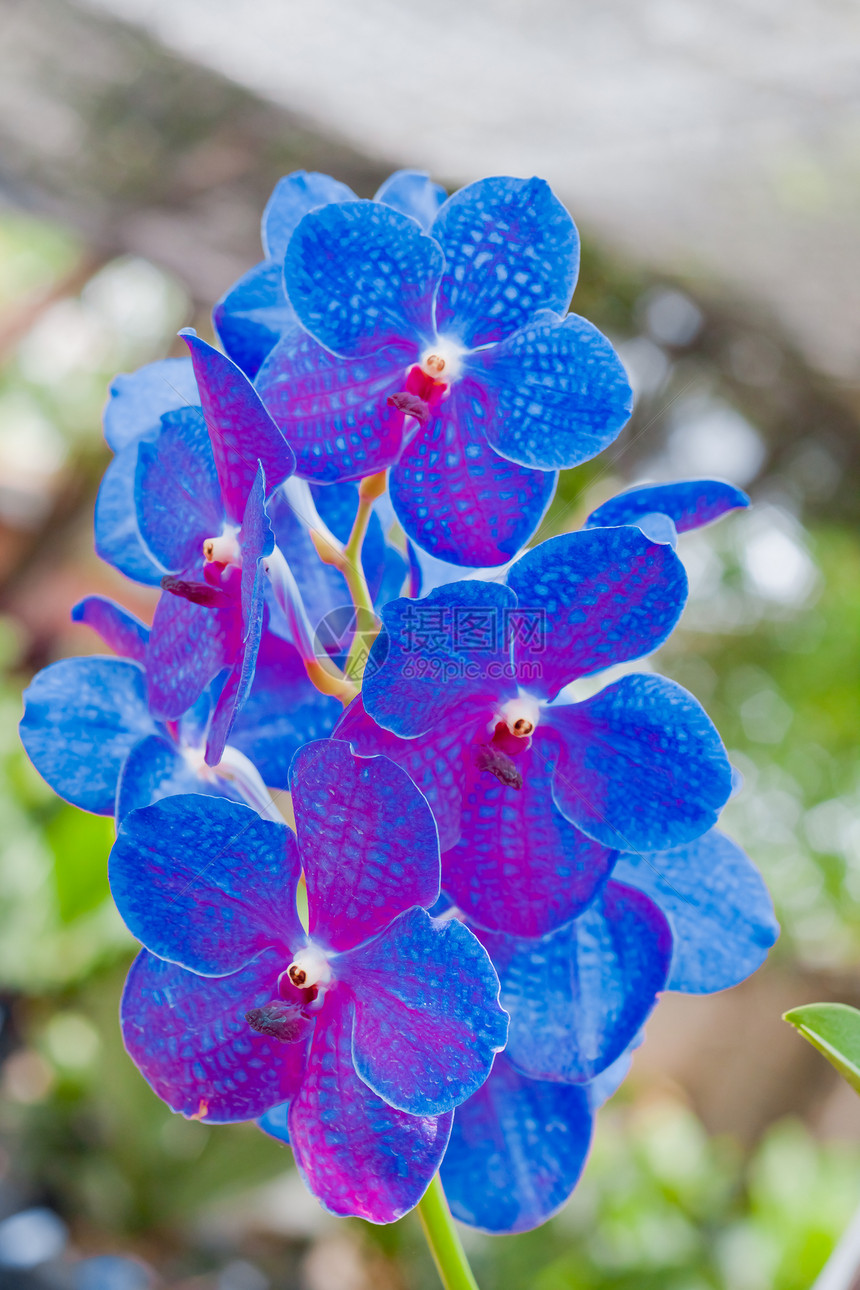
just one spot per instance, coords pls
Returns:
(834, 1029)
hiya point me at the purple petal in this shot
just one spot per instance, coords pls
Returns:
(334, 411)
(206, 883)
(517, 1149)
(367, 839)
(358, 1155)
(519, 865)
(120, 629)
(413, 193)
(579, 995)
(510, 249)
(641, 766)
(689, 503)
(361, 276)
(189, 644)
(441, 661)
(253, 315)
(138, 400)
(427, 1017)
(559, 392)
(434, 762)
(594, 598)
(292, 198)
(456, 497)
(188, 1036)
(155, 768)
(717, 905)
(177, 494)
(82, 717)
(243, 434)
(117, 536)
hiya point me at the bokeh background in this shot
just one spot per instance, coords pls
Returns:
(711, 155)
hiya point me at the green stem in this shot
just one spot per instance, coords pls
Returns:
(448, 1253)
(368, 490)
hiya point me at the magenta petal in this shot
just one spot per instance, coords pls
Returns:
(188, 646)
(121, 630)
(358, 1155)
(367, 839)
(188, 1036)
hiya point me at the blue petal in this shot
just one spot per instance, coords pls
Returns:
(641, 766)
(689, 503)
(517, 1149)
(138, 400)
(188, 1036)
(332, 410)
(82, 717)
(510, 249)
(253, 316)
(358, 1155)
(117, 537)
(519, 865)
(188, 646)
(322, 588)
(717, 905)
(118, 628)
(155, 768)
(607, 1083)
(413, 193)
(592, 599)
(578, 996)
(456, 497)
(292, 198)
(274, 1122)
(427, 1017)
(367, 839)
(242, 432)
(206, 883)
(438, 659)
(361, 276)
(559, 392)
(177, 494)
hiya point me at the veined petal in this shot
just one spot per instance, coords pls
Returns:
(253, 315)
(291, 199)
(579, 995)
(120, 629)
(118, 539)
(188, 1037)
(206, 883)
(155, 768)
(596, 598)
(176, 494)
(138, 400)
(559, 391)
(519, 864)
(517, 1149)
(456, 497)
(413, 193)
(361, 276)
(427, 1017)
(367, 839)
(689, 503)
(333, 410)
(188, 646)
(641, 766)
(717, 905)
(82, 717)
(358, 1155)
(510, 249)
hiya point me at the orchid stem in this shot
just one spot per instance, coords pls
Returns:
(445, 1246)
(368, 491)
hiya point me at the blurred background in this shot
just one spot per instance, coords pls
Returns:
(711, 156)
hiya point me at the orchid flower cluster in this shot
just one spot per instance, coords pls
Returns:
(408, 881)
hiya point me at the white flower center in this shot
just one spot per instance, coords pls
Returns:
(223, 549)
(520, 715)
(443, 360)
(309, 967)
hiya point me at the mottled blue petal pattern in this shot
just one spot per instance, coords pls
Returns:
(456, 497)
(138, 400)
(641, 766)
(177, 494)
(579, 995)
(717, 905)
(117, 536)
(361, 276)
(517, 1149)
(427, 1019)
(559, 392)
(82, 717)
(156, 768)
(188, 646)
(367, 839)
(510, 249)
(253, 315)
(333, 411)
(188, 1036)
(689, 503)
(436, 660)
(179, 873)
(599, 597)
(242, 432)
(121, 630)
(291, 199)
(520, 865)
(434, 762)
(358, 1155)
(412, 192)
